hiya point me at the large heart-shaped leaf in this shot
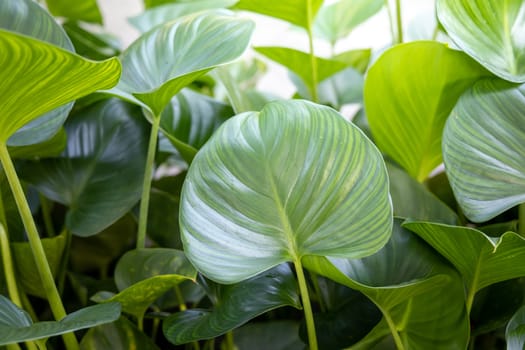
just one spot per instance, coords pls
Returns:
(489, 31)
(164, 60)
(298, 12)
(29, 18)
(80, 10)
(421, 298)
(515, 332)
(412, 88)
(337, 20)
(484, 149)
(16, 325)
(237, 304)
(101, 170)
(271, 187)
(190, 119)
(481, 260)
(37, 77)
(168, 12)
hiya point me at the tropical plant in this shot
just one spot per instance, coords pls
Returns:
(152, 197)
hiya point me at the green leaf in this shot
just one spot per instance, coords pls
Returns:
(38, 77)
(419, 295)
(16, 326)
(256, 336)
(49, 148)
(300, 63)
(24, 262)
(480, 259)
(90, 42)
(81, 10)
(293, 11)
(190, 119)
(413, 200)
(237, 304)
(121, 335)
(144, 275)
(412, 88)
(337, 20)
(163, 61)
(489, 31)
(515, 332)
(168, 12)
(101, 170)
(282, 181)
(357, 59)
(484, 149)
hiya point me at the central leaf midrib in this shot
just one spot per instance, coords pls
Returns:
(285, 222)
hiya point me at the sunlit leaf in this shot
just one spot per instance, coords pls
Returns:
(81, 10)
(411, 89)
(271, 187)
(489, 31)
(484, 149)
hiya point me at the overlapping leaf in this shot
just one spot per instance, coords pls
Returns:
(490, 32)
(271, 187)
(80, 10)
(411, 89)
(101, 170)
(484, 149)
(16, 325)
(164, 60)
(237, 304)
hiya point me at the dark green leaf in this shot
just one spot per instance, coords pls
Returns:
(91, 44)
(101, 170)
(484, 149)
(282, 335)
(237, 304)
(270, 187)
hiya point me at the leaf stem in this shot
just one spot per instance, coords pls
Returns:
(9, 270)
(391, 20)
(146, 186)
(399, 22)
(313, 59)
(37, 249)
(521, 219)
(307, 306)
(393, 330)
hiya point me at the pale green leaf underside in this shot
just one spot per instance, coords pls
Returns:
(83, 318)
(80, 10)
(411, 89)
(37, 77)
(166, 59)
(479, 259)
(293, 11)
(271, 187)
(489, 31)
(515, 331)
(484, 149)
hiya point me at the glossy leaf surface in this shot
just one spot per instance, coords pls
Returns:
(163, 61)
(37, 77)
(415, 100)
(484, 149)
(270, 187)
(281, 334)
(293, 11)
(337, 20)
(80, 10)
(490, 32)
(190, 119)
(515, 332)
(420, 295)
(168, 12)
(101, 170)
(480, 259)
(237, 304)
(16, 326)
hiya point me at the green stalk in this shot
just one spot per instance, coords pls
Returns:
(146, 186)
(521, 219)
(393, 331)
(313, 59)
(37, 249)
(399, 22)
(9, 270)
(307, 306)
(391, 21)
(46, 215)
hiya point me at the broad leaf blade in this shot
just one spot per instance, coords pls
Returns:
(11, 315)
(283, 180)
(489, 31)
(84, 318)
(238, 304)
(164, 60)
(412, 88)
(484, 149)
(479, 259)
(101, 170)
(37, 77)
(293, 11)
